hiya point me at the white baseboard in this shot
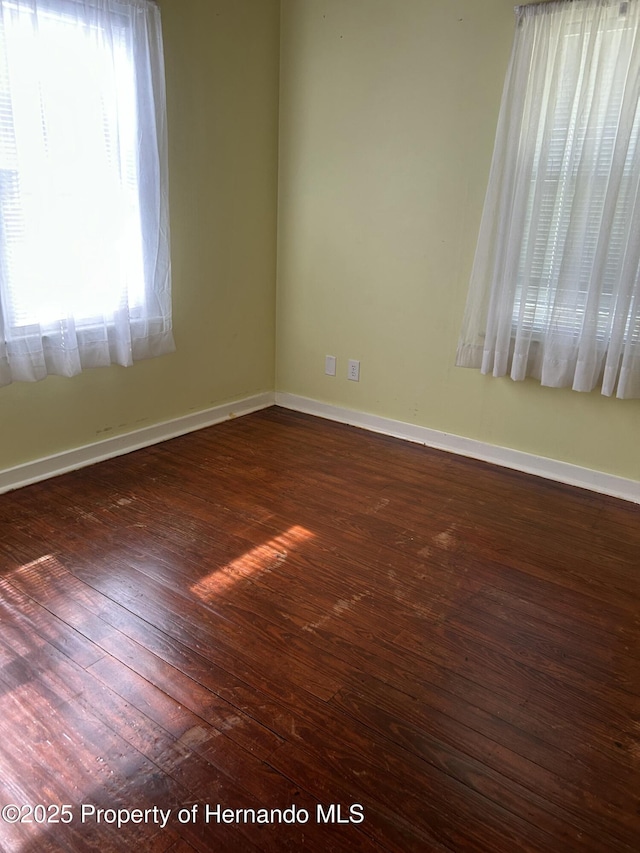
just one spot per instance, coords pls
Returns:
(551, 469)
(541, 466)
(80, 457)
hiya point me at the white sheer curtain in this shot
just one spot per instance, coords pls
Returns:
(85, 276)
(555, 286)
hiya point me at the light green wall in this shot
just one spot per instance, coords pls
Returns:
(222, 92)
(388, 111)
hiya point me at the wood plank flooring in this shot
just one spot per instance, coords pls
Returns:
(281, 613)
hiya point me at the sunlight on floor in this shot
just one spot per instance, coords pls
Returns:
(47, 560)
(258, 561)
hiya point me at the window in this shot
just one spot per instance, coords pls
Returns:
(555, 288)
(84, 254)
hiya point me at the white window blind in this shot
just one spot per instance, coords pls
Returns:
(555, 288)
(84, 269)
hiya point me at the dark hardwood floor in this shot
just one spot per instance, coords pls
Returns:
(278, 613)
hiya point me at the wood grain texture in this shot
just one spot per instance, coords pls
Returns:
(281, 612)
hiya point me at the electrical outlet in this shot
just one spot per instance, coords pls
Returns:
(353, 370)
(330, 365)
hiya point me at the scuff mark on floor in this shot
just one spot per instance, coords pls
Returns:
(381, 504)
(446, 539)
(341, 606)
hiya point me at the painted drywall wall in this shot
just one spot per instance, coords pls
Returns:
(222, 61)
(388, 111)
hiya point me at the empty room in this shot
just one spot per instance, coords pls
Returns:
(319, 418)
